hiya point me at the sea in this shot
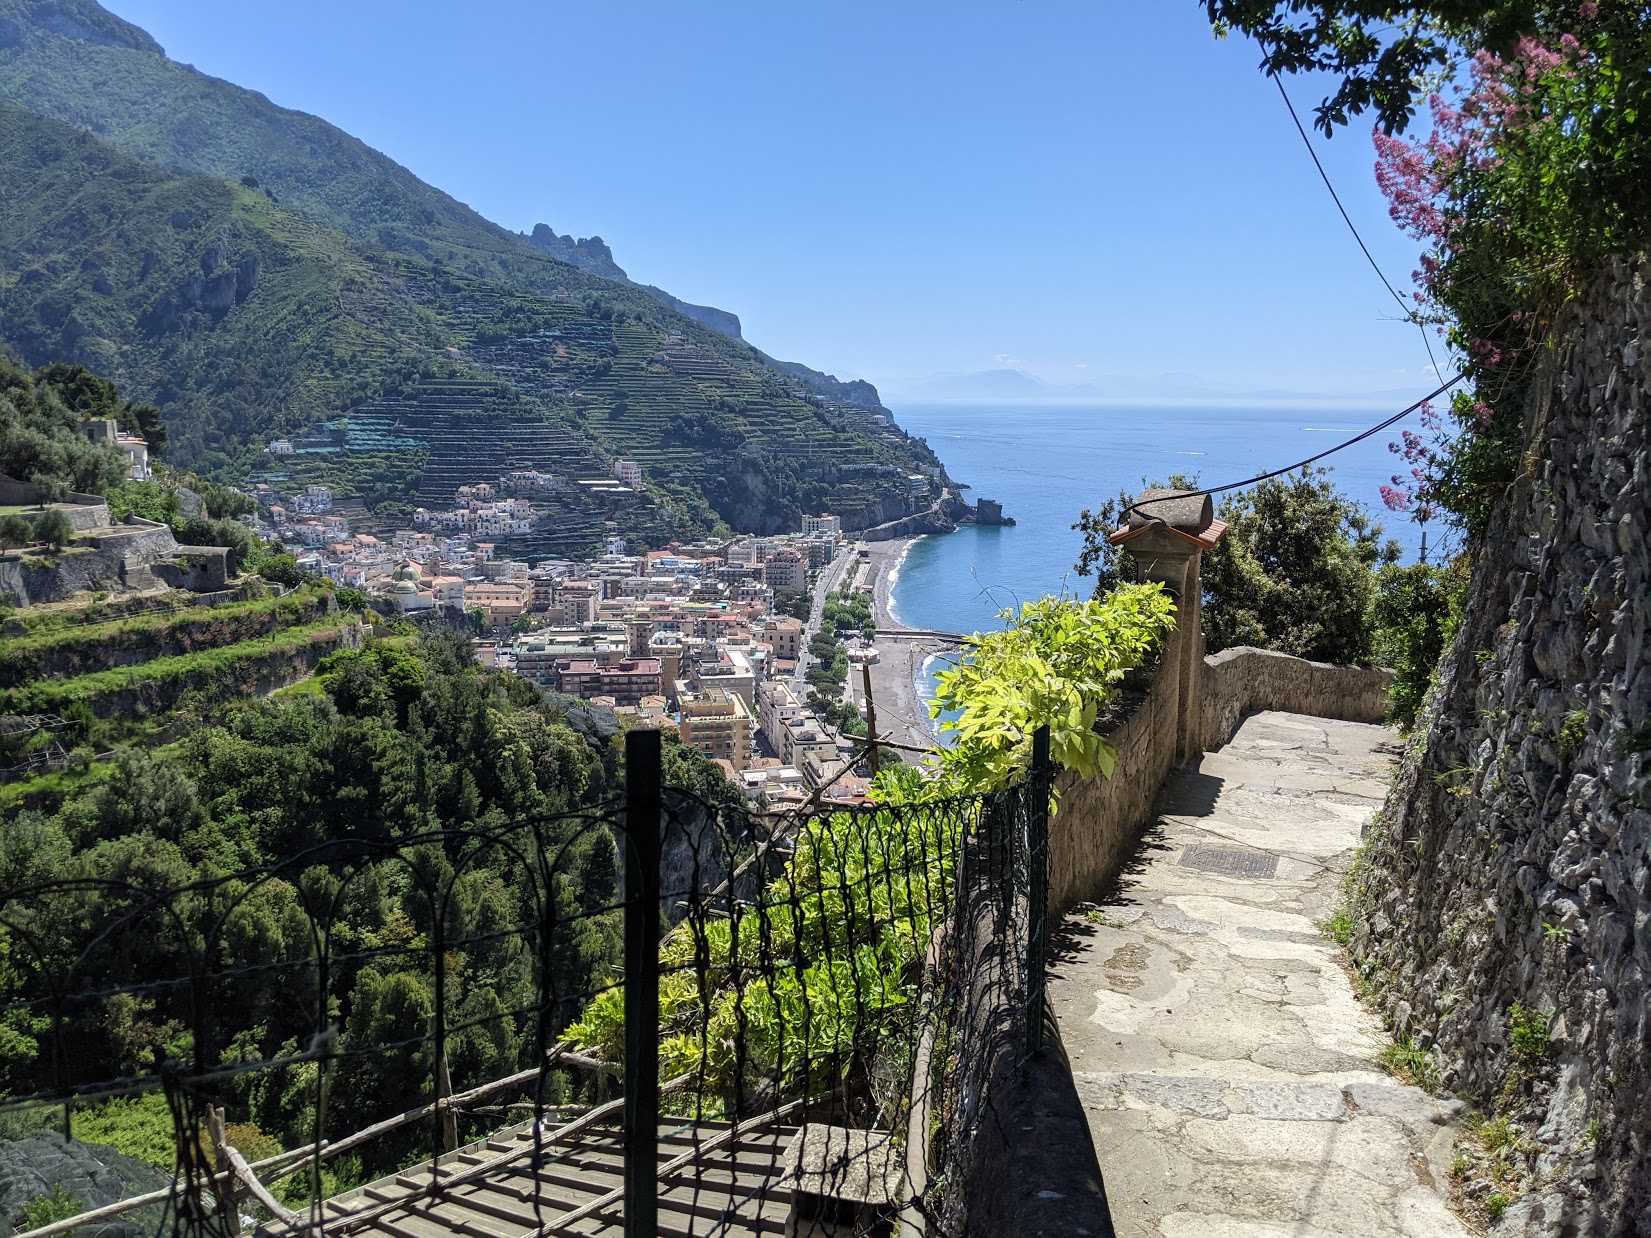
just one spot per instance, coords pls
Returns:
(1047, 463)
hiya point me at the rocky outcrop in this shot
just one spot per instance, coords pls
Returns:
(942, 517)
(219, 287)
(93, 1175)
(723, 321)
(855, 391)
(1504, 908)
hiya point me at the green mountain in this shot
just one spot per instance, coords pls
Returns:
(244, 319)
(77, 62)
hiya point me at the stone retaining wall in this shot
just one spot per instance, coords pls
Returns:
(1507, 885)
(1246, 681)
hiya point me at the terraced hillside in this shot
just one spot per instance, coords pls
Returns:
(244, 321)
(77, 680)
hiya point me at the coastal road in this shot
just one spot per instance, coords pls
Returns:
(830, 575)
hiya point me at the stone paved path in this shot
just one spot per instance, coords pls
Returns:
(1228, 1071)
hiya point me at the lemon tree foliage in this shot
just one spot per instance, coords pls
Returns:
(1056, 664)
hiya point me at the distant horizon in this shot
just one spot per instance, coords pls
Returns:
(1161, 390)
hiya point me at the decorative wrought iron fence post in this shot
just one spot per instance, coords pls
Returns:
(642, 818)
(1038, 784)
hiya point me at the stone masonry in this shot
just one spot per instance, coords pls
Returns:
(1508, 885)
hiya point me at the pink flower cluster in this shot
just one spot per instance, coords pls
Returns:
(1423, 458)
(1423, 182)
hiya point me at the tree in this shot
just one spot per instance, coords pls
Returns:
(92, 396)
(53, 528)
(1416, 613)
(283, 569)
(41, 440)
(1384, 54)
(15, 531)
(1099, 557)
(240, 540)
(1296, 571)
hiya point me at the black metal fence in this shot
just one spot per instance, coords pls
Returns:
(671, 1015)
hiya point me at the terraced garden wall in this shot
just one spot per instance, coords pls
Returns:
(85, 648)
(248, 669)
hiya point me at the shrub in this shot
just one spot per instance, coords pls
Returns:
(283, 569)
(60, 1205)
(1056, 664)
(1528, 1033)
(1415, 614)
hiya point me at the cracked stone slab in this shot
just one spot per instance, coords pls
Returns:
(1291, 1101)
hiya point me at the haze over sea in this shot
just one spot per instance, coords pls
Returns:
(1046, 463)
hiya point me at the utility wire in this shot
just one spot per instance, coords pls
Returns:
(1409, 310)
(1388, 423)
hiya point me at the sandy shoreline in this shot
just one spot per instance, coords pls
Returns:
(902, 715)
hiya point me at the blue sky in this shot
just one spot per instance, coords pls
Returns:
(886, 191)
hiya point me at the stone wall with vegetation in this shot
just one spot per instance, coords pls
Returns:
(1099, 818)
(1502, 908)
(1245, 680)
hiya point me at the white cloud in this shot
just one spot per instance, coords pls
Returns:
(1005, 360)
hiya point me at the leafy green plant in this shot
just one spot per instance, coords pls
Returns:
(1573, 733)
(58, 1205)
(1528, 1033)
(1632, 739)
(140, 1126)
(1405, 1059)
(1496, 1203)
(1056, 664)
(1339, 925)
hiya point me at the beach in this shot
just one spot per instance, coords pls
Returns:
(902, 716)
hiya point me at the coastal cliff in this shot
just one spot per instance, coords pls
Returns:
(943, 517)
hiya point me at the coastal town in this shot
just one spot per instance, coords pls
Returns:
(740, 644)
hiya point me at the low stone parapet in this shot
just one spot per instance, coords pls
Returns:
(1097, 820)
(1245, 681)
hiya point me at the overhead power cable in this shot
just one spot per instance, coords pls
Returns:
(1385, 424)
(1312, 151)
